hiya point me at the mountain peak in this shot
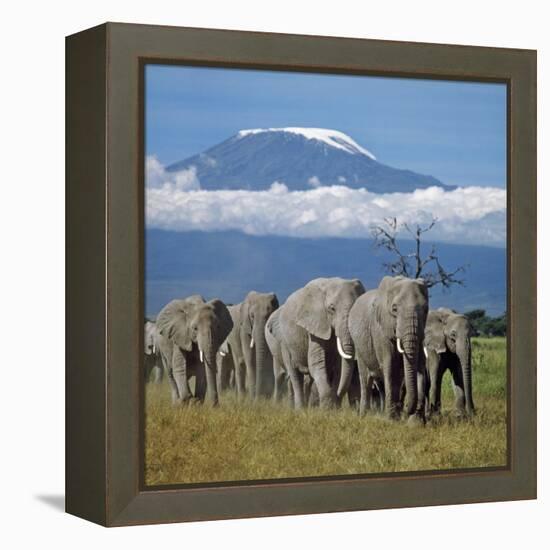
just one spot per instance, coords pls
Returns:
(333, 138)
(301, 158)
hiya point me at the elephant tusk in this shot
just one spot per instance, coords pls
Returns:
(425, 352)
(154, 348)
(399, 347)
(201, 357)
(342, 353)
(251, 343)
(222, 353)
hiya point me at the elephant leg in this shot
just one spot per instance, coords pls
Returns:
(156, 374)
(225, 367)
(435, 372)
(219, 373)
(147, 368)
(316, 360)
(240, 378)
(179, 373)
(363, 386)
(372, 395)
(354, 390)
(379, 386)
(393, 381)
(297, 380)
(250, 362)
(279, 375)
(171, 380)
(308, 381)
(458, 387)
(290, 393)
(313, 399)
(173, 386)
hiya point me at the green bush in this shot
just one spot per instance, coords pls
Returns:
(485, 325)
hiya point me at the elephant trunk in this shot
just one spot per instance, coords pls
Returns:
(346, 374)
(346, 350)
(207, 355)
(464, 353)
(264, 365)
(408, 344)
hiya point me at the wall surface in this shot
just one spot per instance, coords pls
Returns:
(32, 284)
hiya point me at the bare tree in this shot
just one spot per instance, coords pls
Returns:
(413, 264)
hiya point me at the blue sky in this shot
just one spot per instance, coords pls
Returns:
(455, 131)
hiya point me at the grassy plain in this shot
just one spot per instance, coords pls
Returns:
(243, 441)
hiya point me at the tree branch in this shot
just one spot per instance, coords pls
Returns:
(385, 237)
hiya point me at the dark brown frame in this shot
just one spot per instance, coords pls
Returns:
(104, 481)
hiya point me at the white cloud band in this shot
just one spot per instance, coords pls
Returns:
(469, 215)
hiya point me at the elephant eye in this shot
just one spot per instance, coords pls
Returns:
(331, 308)
(394, 309)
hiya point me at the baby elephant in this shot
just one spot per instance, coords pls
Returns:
(447, 346)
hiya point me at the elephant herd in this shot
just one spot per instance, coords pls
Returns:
(382, 348)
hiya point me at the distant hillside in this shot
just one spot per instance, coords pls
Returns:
(302, 158)
(229, 264)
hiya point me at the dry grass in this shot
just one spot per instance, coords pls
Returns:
(265, 441)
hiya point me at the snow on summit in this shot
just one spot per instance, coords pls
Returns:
(334, 138)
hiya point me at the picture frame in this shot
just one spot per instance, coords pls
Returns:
(105, 259)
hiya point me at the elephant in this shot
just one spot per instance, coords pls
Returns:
(230, 359)
(283, 385)
(314, 332)
(153, 361)
(387, 327)
(447, 346)
(190, 332)
(252, 360)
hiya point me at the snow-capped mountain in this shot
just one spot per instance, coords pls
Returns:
(301, 158)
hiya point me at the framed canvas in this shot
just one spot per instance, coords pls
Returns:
(277, 246)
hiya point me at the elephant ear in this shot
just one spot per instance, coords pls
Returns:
(272, 326)
(312, 313)
(358, 287)
(223, 316)
(274, 300)
(434, 335)
(173, 321)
